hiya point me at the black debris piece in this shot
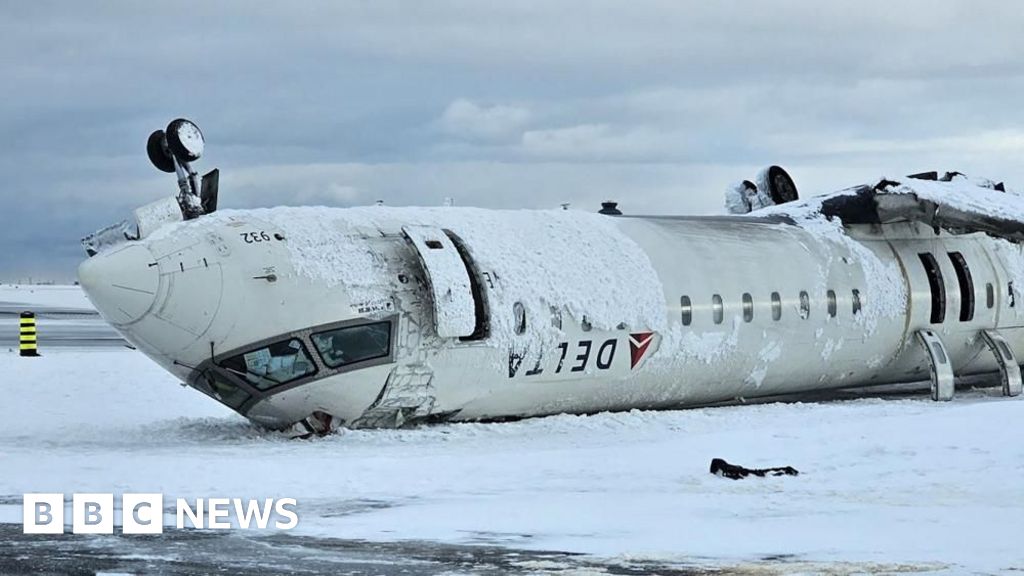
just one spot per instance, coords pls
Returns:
(722, 468)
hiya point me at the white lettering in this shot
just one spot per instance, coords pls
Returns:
(194, 516)
(218, 509)
(281, 507)
(253, 510)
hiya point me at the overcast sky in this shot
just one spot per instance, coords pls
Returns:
(520, 104)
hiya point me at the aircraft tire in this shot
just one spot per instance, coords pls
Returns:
(157, 154)
(174, 143)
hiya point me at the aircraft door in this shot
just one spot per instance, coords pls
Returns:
(457, 301)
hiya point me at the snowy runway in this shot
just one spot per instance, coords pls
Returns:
(902, 481)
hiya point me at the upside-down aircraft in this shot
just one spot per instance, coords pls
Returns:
(315, 318)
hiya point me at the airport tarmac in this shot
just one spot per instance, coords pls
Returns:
(57, 326)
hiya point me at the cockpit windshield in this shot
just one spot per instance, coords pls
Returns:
(223, 389)
(352, 344)
(273, 365)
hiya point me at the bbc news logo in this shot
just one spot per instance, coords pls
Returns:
(144, 513)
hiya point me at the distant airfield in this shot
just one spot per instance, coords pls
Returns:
(64, 315)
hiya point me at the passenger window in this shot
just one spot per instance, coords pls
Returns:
(990, 295)
(831, 295)
(805, 305)
(748, 308)
(273, 365)
(352, 344)
(687, 310)
(556, 317)
(776, 306)
(717, 309)
(856, 301)
(519, 311)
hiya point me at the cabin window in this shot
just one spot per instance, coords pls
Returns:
(353, 344)
(776, 306)
(717, 309)
(686, 310)
(936, 285)
(855, 300)
(748, 308)
(556, 317)
(966, 283)
(587, 327)
(990, 295)
(273, 365)
(831, 296)
(805, 305)
(519, 311)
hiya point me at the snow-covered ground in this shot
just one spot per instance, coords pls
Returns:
(886, 484)
(899, 481)
(64, 314)
(57, 296)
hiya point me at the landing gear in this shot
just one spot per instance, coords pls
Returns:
(156, 149)
(1009, 369)
(174, 150)
(941, 367)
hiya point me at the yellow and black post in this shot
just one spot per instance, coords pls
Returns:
(28, 334)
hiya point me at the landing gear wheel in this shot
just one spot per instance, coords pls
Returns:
(184, 140)
(157, 153)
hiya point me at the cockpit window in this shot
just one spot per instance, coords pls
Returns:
(344, 346)
(272, 365)
(224, 390)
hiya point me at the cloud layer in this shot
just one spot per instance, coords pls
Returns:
(527, 104)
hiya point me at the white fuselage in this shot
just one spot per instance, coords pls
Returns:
(476, 314)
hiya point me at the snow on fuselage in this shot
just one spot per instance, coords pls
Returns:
(379, 316)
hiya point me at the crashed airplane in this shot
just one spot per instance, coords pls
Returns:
(310, 319)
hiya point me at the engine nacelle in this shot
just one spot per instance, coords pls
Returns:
(772, 186)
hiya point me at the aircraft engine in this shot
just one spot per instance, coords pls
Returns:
(772, 186)
(776, 184)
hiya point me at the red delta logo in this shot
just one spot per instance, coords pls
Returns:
(639, 342)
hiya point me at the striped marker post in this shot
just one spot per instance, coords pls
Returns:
(28, 334)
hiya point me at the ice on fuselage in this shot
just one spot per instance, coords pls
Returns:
(577, 262)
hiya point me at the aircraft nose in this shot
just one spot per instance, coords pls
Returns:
(122, 283)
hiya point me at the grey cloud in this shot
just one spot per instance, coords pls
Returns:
(526, 104)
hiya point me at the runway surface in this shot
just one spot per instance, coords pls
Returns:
(57, 326)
